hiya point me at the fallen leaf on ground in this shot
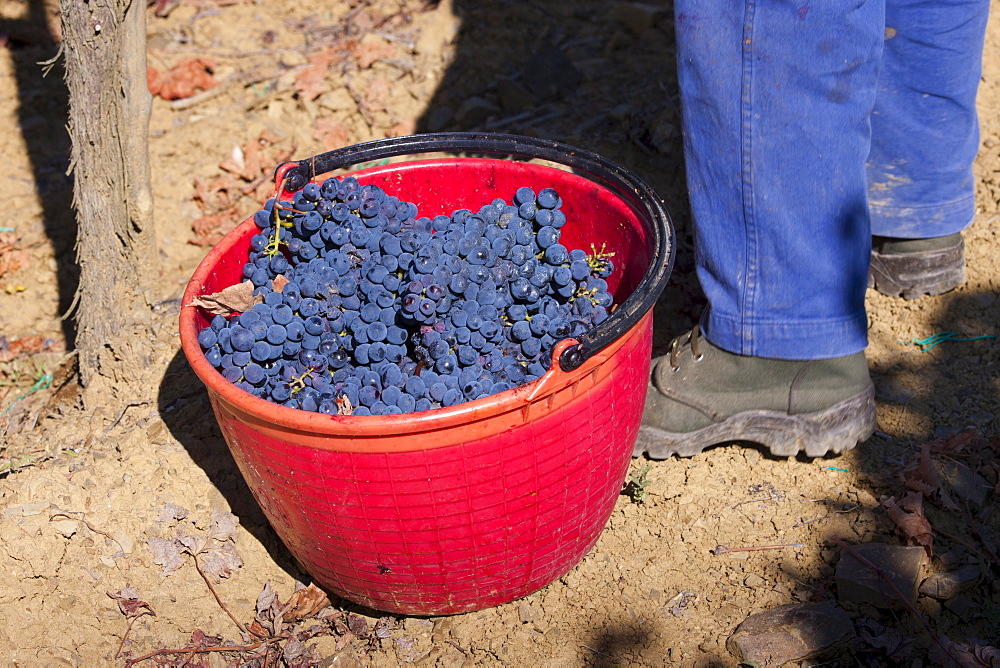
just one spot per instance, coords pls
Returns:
(881, 640)
(955, 445)
(183, 79)
(908, 516)
(331, 133)
(971, 654)
(305, 603)
(376, 93)
(224, 526)
(166, 553)
(366, 52)
(296, 654)
(310, 82)
(358, 625)
(209, 230)
(922, 476)
(129, 603)
(12, 257)
(220, 560)
(28, 345)
(172, 513)
(246, 175)
(234, 299)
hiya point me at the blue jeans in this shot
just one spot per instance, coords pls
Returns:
(809, 126)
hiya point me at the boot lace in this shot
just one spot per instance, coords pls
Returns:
(675, 347)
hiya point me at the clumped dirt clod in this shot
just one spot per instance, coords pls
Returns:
(129, 537)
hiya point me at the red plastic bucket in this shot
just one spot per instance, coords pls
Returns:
(467, 507)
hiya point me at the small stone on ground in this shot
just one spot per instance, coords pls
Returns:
(898, 565)
(793, 632)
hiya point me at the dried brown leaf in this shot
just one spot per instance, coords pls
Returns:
(376, 93)
(192, 544)
(310, 82)
(266, 598)
(279, 283)
(12, 256)
(172, 513)
(210, 229)
(234, 299)
(970, 654)
(908, 516)
(129, 603)
(166, 553)
(305, 603)
(331, 133)
(28, 345)
(200, 640)
(224, 526)
(296, 654)
(183, 79)
(358, 625)
(220, 560)
(922, 476)
(258, 629)
(956, 444)
(366, 53)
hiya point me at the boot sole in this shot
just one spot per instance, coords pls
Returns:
(913, 275)
(834, 430)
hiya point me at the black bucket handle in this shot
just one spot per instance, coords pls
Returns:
(616, 178)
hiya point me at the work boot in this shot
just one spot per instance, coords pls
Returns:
(917, 267)
(700, 395)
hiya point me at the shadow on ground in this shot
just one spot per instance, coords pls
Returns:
(186, 411)
(43, 113)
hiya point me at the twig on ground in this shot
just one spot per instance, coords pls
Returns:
(360, 102)
(725, 549)
(763, 498)
(964, 544)
(128, 629)
(596, 651)
(234, 80)
(90, 526)
(205, 650)
(802, 524)
(976, 528)
(458, 647)
(222, 605)
(121, 414)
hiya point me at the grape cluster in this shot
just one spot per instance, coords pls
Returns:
(369, 309)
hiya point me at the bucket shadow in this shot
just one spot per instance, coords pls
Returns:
(186, 411)
(42, 114)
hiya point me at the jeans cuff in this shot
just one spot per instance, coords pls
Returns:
(801, 340)
(922, 222)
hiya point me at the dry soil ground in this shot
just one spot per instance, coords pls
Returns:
(89, 499)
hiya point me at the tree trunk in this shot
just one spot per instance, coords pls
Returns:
(109, 107)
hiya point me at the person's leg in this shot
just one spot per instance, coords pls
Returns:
(776, 98)
(925, 135)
